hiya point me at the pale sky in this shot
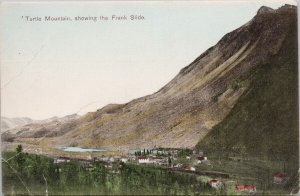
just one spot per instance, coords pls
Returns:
(55, 68)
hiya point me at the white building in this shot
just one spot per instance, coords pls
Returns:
(144, 160)
(190, 168)
(61, 160)
(111, 159)
(215, 184)
(124, 160)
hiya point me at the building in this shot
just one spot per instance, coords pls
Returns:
(61, 160)
(280, 178)
(117, 158)
(105, 159)
(201, 159)
(192, 169)
(240, 187)
(178, 165)
(250, 189)
(189, 168)
(124, 159)
(143, 159)
(214, 183)
(158, 160)
(132, 158)
(198, 152)
(108, 165)
(111, 159)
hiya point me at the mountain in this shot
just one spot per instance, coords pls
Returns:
(9, 123)
(202, 97)
(265, 118)
(38, 128)
(57, 119)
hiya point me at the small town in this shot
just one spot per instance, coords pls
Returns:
(176, 160)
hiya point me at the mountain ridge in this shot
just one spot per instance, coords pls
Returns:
(10, 123)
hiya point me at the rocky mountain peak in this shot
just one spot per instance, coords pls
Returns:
(264, 9)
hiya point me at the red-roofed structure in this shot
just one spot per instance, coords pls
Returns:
(213, 183)
(239, 187)
(200, 158)
(280, 178)
(143, 159)
(250, 188)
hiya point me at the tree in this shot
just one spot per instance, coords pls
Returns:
(99, 174)
(19, 149)
(37, 168)
(20, 158)
(72, 172)
(53, 171)
(169, 161)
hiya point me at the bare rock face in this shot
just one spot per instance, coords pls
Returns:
(199, 97)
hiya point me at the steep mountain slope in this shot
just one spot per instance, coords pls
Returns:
(265, 119)
(198, 98)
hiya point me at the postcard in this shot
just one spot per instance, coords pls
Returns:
(149, 97)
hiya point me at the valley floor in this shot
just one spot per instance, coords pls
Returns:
(178, 175)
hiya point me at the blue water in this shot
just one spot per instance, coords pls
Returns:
(79, 149)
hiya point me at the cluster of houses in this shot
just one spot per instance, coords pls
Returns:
(61, 160)
(181, 166)
(278, 178)
(115, 159)
(152, 160)
(108, 159)
(162, 157)
(217, 184)
(199, 155)
(202, 159)
(168, 158)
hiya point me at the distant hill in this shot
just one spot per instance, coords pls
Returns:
(10, 123)
(38, 128)
(58, 119)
